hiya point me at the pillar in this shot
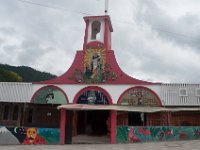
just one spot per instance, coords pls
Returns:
(62, 125)
(113, 126)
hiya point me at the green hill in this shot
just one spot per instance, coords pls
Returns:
(22, 74)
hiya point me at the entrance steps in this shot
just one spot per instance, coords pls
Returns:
(86, 139)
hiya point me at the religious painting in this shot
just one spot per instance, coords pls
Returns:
(94, 64)
(139, 97)
(92, 97)
(50, 95)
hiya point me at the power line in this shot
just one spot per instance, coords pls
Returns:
(120, 21)
(160, 30)
(53, 7)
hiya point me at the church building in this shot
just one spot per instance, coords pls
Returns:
(94, 101)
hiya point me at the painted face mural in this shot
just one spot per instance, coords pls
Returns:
(20, 135)
(50, 95)
(139, 97)
(32, 137)
(92, 97)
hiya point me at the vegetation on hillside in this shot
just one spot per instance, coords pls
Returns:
(22, 74)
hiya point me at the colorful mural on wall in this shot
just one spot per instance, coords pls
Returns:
(139, 97)
(50, 95)
(92, 97)
(131, 134)
(96, 70)
(19, 135)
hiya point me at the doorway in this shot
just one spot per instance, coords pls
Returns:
(92, 127)
(136, 119)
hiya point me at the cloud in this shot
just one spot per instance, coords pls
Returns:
(153, 40)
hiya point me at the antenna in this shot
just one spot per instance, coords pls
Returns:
(106, 7)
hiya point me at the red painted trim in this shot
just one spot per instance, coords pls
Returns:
(139, 87)
(113, 126)
(106, 34)
(48, 86)
(86, 35)
(93, 88)
(100, 18)
(62, 125)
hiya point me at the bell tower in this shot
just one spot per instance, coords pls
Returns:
(97, 32)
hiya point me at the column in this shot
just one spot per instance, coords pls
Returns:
(62, 125)
(113, 126)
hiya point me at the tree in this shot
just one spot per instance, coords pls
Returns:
(9, 76)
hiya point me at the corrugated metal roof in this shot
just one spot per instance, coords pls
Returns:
(15, 92)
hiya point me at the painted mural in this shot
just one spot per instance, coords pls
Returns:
(132, 134)
(27, 136)
(96, 70)
(92, 97)
(139, 97)
(50, 95)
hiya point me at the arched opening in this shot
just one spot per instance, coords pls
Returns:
(50, 95)
(42, 111)
(92, 125)
(139, 97)
(96, 26)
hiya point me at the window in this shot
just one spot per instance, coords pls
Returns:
(15, 113)
(198, 92)
(183, 92)
(95, 30)
(30, 115)
(6, 112)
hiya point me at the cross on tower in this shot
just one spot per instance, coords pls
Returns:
(106, 7)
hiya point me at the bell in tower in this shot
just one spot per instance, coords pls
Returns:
(96, 28)
(97, 42)
(97, 32)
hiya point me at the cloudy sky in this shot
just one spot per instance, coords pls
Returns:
(153, 40)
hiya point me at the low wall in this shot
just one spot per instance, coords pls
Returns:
(29, 135)
(131, 134)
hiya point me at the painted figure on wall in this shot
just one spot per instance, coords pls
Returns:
(131, 136)
(92, 97)
(95, 68)
(32, 137)
(51, 95)
(94, 62)
(139, 97)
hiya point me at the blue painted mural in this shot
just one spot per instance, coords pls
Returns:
(131, 134)
(20, 135)
(92, 97)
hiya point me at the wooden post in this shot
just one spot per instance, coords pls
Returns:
(62, 125)
(113, 126)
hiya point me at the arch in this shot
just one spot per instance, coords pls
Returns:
(50, 95)
(157, 99)
(96, 25)
(89, 88)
